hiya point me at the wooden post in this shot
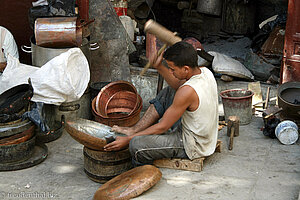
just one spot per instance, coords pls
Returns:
(230, 146)
(232, 129)
(233, 121)
(267, 98)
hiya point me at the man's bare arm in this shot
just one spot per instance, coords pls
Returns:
(182, 100)
(172, 81)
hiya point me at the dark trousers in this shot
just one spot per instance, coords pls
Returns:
(145, 149)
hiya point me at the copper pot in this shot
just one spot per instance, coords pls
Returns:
(17, 152)
(58, 32)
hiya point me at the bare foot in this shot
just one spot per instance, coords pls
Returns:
(123, 130)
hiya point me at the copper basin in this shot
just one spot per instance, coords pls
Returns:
(118, 96)
(119, 118)
(121, 102)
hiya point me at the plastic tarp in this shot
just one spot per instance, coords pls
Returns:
(63, 79)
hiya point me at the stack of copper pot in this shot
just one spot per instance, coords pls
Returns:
(17, 139)
(118, 103)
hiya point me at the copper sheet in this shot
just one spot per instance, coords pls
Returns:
(121, 102)
(129, 184)
(83, 6)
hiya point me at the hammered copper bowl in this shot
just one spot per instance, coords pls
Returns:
(119, 118)
(116, 97)
(121, 103)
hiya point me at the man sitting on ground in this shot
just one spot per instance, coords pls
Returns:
(188, 107)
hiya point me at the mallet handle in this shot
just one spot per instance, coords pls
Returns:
(149, 64)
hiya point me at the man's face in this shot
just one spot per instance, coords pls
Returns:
(178, 72)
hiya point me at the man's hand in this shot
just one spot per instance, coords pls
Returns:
(124, 130)
(118, 144)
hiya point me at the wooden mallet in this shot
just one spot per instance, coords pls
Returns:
(163, 34)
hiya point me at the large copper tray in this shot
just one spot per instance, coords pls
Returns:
(93, 135)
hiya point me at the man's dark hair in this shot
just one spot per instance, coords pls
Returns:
(182, 53)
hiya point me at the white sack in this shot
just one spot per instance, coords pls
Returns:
(63, 79)
(226, 65)
(15, 73)
(203, 62)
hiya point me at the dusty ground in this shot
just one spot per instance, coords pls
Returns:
(258, 168)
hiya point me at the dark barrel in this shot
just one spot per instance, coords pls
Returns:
(101, 166)
(17, 152)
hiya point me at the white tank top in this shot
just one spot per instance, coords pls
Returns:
(200, 127)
